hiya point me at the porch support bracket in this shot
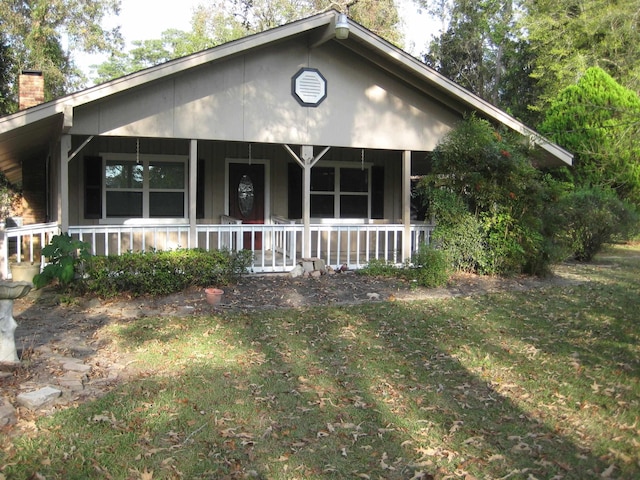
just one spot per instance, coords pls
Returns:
(79, 149)
(306, 160)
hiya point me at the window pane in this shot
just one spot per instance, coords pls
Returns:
(166, 175)
(123, 174)
(323, 179)
(166, 204)
(322, 206)
(354, 180)
(354, 206)
(124, 204)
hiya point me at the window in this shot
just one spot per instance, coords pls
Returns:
(149, 188)
(295, 193)
(340, 192)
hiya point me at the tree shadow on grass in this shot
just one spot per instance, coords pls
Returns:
(378, 391)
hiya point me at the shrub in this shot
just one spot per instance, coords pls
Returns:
(164, 272)
(66, 257)
(593, 217)
(487, 198)
(464, 243)
(379, 268)
(430, 267)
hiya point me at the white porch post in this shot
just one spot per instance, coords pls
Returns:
(306, 160)
(63, 183)
(193, 186)
(306, 154)
(406, 204)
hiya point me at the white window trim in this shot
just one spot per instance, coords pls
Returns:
(336, 185)
(145, 159)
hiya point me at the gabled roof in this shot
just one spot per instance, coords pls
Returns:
(31, 128)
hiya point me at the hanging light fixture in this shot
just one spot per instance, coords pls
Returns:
(137, 151)
(342, 27)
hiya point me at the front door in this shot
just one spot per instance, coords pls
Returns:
(246, 197)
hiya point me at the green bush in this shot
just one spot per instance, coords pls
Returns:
(464, 243)
(66, 260)
(487, 200)
(379, 268)
(164, 272)
(430, 267)
(593, 217)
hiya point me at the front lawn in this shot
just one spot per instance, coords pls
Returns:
(539, 384)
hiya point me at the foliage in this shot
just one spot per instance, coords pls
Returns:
(164, 272)
(520, 384)
(66, 259)
(568, 37)
(599, 121)
(35, 33)
(221, 21)
(594, 217)
(487, 199)
(463, 241)
(430, 267)
(470, 49)
(10, 196)
(6, 60)
(520, 54)
(379, 268)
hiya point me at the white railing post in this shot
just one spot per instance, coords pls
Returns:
(4, 252)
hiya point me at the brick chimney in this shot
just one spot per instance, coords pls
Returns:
(30, 88)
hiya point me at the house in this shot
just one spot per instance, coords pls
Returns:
(294, 142)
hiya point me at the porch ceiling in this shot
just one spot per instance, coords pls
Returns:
(29, 141)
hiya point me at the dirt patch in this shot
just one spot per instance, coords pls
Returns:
(54, 338)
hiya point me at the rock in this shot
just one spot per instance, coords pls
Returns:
(7, 414)
(76, 367)
(93, 303)
(319, 265)
(307, 266)
(37, 399)
(297, 271)
(315, 273)
(186, 310)
(73, 381)
(373, 296)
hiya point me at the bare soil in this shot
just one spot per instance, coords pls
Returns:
(43, 319)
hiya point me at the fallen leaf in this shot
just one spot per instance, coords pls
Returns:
(146, 474)
(608, 472)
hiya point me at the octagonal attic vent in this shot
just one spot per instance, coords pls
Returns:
(309, 87)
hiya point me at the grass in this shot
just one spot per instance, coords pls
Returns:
(526, 385)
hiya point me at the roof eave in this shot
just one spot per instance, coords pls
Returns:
(472, 101)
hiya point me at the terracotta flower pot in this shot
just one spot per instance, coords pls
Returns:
(213, 295)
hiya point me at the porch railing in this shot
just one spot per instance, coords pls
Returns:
(277, 246)
(115, 239)
(24, 244)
